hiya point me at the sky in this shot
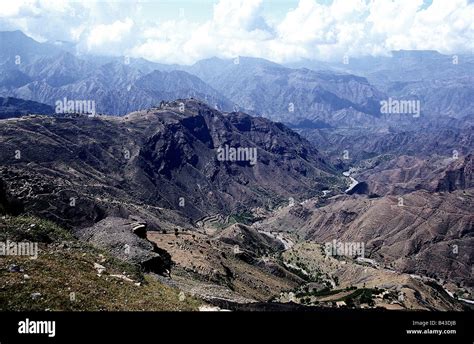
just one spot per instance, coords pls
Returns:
(279, 30)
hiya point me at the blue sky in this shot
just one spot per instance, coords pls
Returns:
(201, 10)
(279, 30)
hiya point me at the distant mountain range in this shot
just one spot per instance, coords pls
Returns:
(46, 73)
(443, 83)
(295, 96)
(306, 97)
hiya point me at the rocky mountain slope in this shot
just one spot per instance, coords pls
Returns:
(163, 157)
(136, 186)
(404, 174)
(420, 232)
(149, 189)
(305, 96)
(420, 138)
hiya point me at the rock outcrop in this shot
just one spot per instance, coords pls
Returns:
(118, 236)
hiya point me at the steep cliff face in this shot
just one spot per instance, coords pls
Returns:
(458, 176)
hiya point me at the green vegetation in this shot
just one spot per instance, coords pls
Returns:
(324, 292)
(245, 218)
(63, 277)
(354, 299)
(28, 228)
(361, 296)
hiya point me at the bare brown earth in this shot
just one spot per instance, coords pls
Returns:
(231, 271)
(428, 234)
(404, 174)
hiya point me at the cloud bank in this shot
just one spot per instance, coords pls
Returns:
(310, 30)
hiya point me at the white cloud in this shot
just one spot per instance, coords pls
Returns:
(105, 38)
(18, 8)
(242, 27)
(446, 26)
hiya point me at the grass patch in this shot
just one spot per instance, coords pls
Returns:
(246, 218)
(29, 228)
(65, 267)
(361, 296)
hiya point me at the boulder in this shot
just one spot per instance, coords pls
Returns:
(116, 235)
